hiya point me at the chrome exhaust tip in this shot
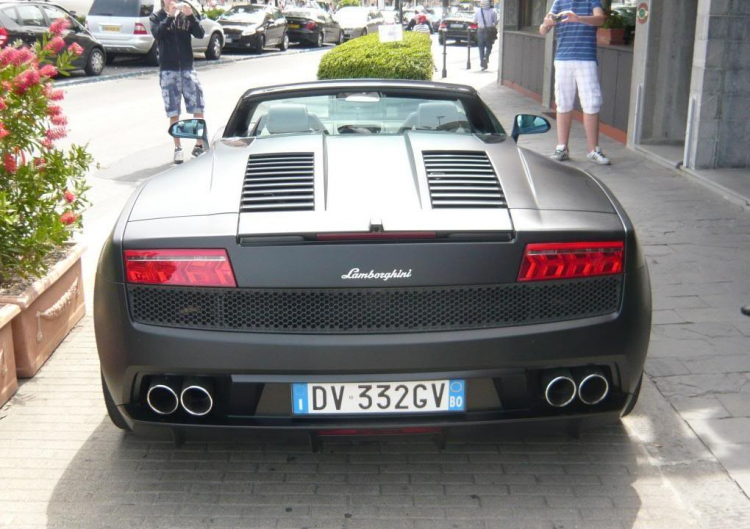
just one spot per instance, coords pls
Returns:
(559, 388)
(593, 386)
(162, 395)
(197, 396)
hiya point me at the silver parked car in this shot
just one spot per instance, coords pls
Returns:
(123, 28)
(358, 21)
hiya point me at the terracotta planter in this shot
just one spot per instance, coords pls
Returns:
(610, 37)
(49, 310)
(8, 380)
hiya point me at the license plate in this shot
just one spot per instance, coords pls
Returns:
(229, 39)
(428, 396)
(115, 29)
(457, 26)
(294, 26)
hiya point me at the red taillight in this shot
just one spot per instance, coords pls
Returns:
(312, 26)
(194, 268)
(443, 25)
(473, 26)
(140, 29)
(570, 259)
(376, 236)
(3, 37)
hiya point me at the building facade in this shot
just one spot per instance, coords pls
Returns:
(678, 88)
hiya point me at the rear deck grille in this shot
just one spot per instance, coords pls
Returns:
(375, 310)
(279, 182)
(462, 179)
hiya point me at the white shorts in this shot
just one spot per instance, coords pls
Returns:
(585, 75)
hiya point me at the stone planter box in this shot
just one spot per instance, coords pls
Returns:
(49, 310)
(8, 380)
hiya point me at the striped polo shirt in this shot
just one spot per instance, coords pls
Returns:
(576, 41)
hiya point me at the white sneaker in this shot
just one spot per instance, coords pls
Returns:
(597, 156)
(178, 156)
(561, 153)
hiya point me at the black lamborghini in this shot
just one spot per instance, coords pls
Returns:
(352, 256)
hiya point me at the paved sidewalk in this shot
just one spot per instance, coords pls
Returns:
(698, 248)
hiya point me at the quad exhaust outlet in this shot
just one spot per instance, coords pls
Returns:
(593, 386)
(559, 388)
(162, 396)
(197, 396)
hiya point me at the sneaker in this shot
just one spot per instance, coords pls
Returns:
(597, 156)
(178, 157)
(198, 150)
(561, 153)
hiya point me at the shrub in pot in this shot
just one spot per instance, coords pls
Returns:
(42, 191)
(612, 32)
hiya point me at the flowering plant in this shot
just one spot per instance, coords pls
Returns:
(42, 186)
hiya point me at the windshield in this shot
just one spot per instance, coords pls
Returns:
(363, 113)
(122, 8)
(244, 14)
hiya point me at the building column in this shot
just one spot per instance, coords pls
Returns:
(500, 33)
(638, 80)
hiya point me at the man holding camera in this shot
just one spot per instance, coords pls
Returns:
(173, 28)
(576, 66)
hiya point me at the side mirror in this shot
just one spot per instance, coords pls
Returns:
(529, 124)
(191, 129)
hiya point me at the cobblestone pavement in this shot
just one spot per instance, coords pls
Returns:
(62, 464)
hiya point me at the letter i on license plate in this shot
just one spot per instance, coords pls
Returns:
(428, 396)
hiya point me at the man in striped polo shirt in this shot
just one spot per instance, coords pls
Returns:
(576, 66)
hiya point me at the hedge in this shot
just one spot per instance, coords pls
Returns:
(367, 58)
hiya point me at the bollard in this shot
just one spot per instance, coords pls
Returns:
(445, 55)
(468, 48)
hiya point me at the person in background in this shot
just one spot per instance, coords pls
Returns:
(173, 27)
(486, 19)
(576, 67)
(422, 25)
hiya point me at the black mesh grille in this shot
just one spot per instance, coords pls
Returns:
(375, 310)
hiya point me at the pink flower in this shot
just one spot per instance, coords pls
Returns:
(3, 106)
(22, 56)
(69, 197)
(54, 110)
(75, 49)
(46, 143)
(9, 162)
(8, 55)
(59, 25)
(55, 45)
(39, 162)
(3, 131)
(26, 80)
(56, 133)
(68, 218)
(59, 120)
(54, 95)
(48, 70)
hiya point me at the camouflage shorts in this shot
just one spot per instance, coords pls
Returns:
(178, 84)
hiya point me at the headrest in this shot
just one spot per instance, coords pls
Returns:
(287, 118)
(432, 115)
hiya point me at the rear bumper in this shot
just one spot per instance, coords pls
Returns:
(136, 44)
(303, 35)
(241, 41)
(501, 365)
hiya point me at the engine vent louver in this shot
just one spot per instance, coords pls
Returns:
(279, 182)
(462, 179)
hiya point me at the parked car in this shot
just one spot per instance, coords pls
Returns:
(432, 17)
(312, 26)
(358, 21)
(123, 27)
(254, 27)
(369, 254)
(456, 27)
(30, 21)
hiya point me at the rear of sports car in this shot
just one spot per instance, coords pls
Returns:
(345, 283)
